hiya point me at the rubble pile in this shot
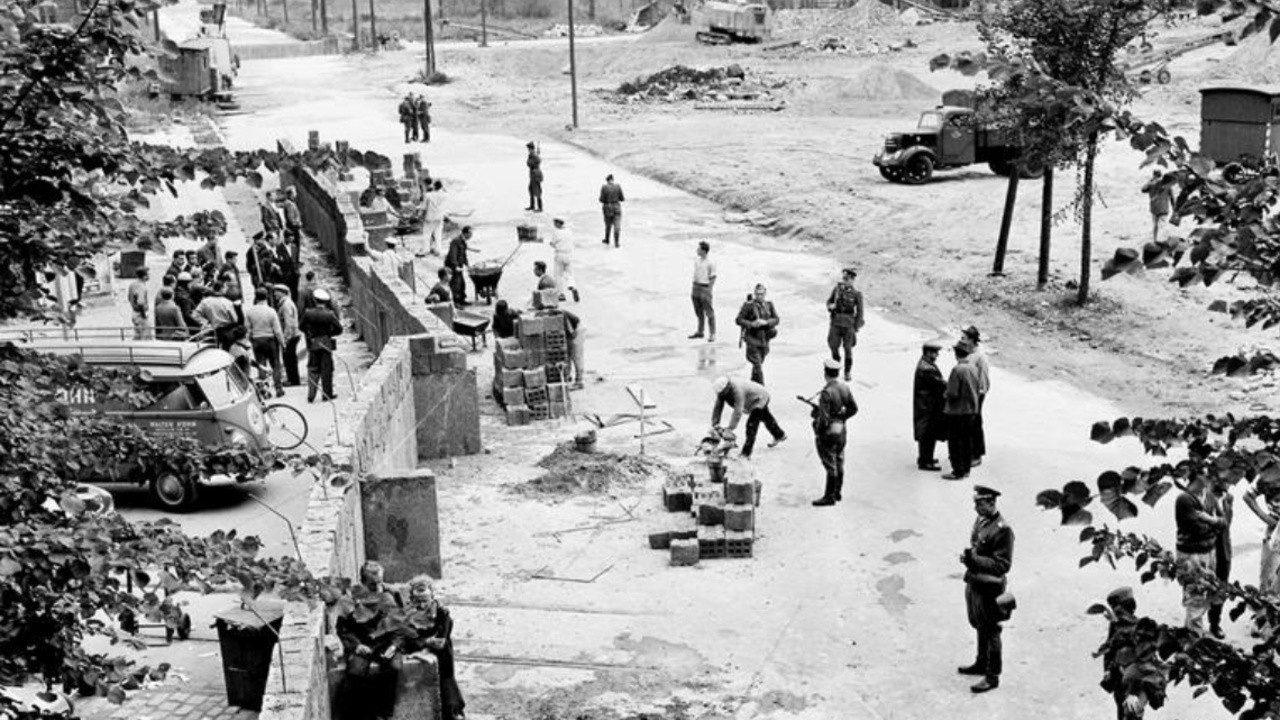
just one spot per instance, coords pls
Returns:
(680, 83)
(562, 30)
(843, 45)
(571, 472)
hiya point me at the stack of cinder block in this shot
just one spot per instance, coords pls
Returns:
(528, 370)
(722, 513)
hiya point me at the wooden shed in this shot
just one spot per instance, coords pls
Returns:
(1238, 123)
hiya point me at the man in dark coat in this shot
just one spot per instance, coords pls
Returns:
(183, 298)
(260, 262)
(534, 161)
(456, 260)
(847, 318)
(373, 659)
(986, 563)
(321, 326)
(759, 322)
(611, 200)
(409, 118)
(961, 409)
(286, 266)
(1134, 681)
(422, 111)
(926, 407)
(1221, 497)
(835, 406)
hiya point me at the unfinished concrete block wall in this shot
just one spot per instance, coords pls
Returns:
(401, 523)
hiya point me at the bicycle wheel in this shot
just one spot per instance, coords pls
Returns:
(286, 427)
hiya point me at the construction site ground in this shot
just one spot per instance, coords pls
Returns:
(855, 611)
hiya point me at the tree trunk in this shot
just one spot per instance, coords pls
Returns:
(429, 34)
(1006, 220)
(324, 18)
(285, 5)
(314, 13)
(1046, 227)
(355, 25)
(373, 27)
(1086, 220)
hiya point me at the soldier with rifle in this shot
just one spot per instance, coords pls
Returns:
(835, 405)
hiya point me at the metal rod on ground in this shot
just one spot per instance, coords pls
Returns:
(573, 69)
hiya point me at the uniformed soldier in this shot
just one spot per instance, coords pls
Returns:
(534, 161)
(987, 561)
(847, 318)
(835, 406)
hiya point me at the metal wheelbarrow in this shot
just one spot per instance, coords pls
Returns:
(472, 325)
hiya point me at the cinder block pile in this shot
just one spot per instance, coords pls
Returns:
(719, 516)
(530, 370)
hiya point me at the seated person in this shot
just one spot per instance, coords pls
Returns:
(433, 628)
(504, 320)
(441, 293)
(372, 657)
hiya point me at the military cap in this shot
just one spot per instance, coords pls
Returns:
(184, 276)
(529, 144)
(830, 364)
(280, 288)
(982, 492)
(321, 295)
(852, 271)
(972, 333)
(558, 221)
(932, 345)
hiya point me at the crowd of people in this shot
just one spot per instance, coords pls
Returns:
(262, 322)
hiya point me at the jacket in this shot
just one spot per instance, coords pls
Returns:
(752, 310)
(835, 405)
(846, 317)
(990, 554)
(169, 322)
(456, 258)
(962, 390)
(927, 401)
(216, 312)
(262, 322)
(611, 196)
(535, 166)
(288, 314)
(321, 326)
(744, 395)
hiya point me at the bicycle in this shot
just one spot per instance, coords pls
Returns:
(286, 426)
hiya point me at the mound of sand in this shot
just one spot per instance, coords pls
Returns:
(570, 472)
(669, 30)
(1256, 60)
(884, 82)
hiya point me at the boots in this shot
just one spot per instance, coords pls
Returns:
(829, 496)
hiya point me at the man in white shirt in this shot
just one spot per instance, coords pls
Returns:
(562, 243)
(704, 279)
(388, 261)
(433, 203)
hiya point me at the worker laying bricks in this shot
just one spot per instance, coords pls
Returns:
(746, 397)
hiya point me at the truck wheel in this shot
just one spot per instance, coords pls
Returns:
(892, 174)
(173, 494)
(1003, 168)
(1030, 172)
(918, 170)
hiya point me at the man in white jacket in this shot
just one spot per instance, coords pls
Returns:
(562, 243)
(433, 217)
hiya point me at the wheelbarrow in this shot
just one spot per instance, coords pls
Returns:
(472, 325)
(485, 278)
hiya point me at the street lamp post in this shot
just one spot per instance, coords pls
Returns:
(573, 69)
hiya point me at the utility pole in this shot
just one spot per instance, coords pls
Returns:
(373, 27)
(314, 13)
(286, 12)
(155, 22)
(429, 35)
(355, 26)
(484, 23)
(573, 69)
(324, 18)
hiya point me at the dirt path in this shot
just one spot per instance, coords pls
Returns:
(925, 251)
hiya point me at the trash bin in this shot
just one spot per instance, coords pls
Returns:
(247, 643)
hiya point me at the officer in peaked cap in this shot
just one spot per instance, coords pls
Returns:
(928, 396)
(987, 561)
(834, 407)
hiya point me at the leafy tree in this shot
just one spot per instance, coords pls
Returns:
(1058, 86)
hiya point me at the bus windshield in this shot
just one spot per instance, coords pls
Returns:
(225, 386)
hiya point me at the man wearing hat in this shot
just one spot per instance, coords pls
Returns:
(611, 200)
(287, 311)
(387, 261)
(986, 563)
(759, 322)
(928, 399)
(534, 161)
(835, 406)
(979, 361)
(562, 244)
(960, 406)
(321, 326)
(751, 399)
(1140, 681)
(845, 307)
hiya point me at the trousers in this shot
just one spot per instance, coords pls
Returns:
(756, 355)
(291, 360)
(757, 416)
(842, 338)
(960, 442)
(979, 435)
(564, 272)
(613, 222)
(1194, 599)
(703, 308)
(984, 618)
(830, 447)
(319, 373)
(266, 351)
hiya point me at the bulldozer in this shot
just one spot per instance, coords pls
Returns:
(730, 22)
(204, 66)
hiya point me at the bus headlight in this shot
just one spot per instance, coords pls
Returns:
(238, 437)
(256, 422)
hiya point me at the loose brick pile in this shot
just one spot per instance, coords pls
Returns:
(530, 372)
(723, 511)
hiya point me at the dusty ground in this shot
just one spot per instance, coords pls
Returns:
(924, 251)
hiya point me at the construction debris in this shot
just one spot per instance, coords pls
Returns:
(571, 472)
(680, 83)
(562, 30)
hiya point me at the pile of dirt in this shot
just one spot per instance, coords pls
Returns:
(681, 83)
(571, 472)
(1256, 61)
(885, 82)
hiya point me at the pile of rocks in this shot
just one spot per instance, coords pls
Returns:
(681, 83)
(562, 30)
(844, 45)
